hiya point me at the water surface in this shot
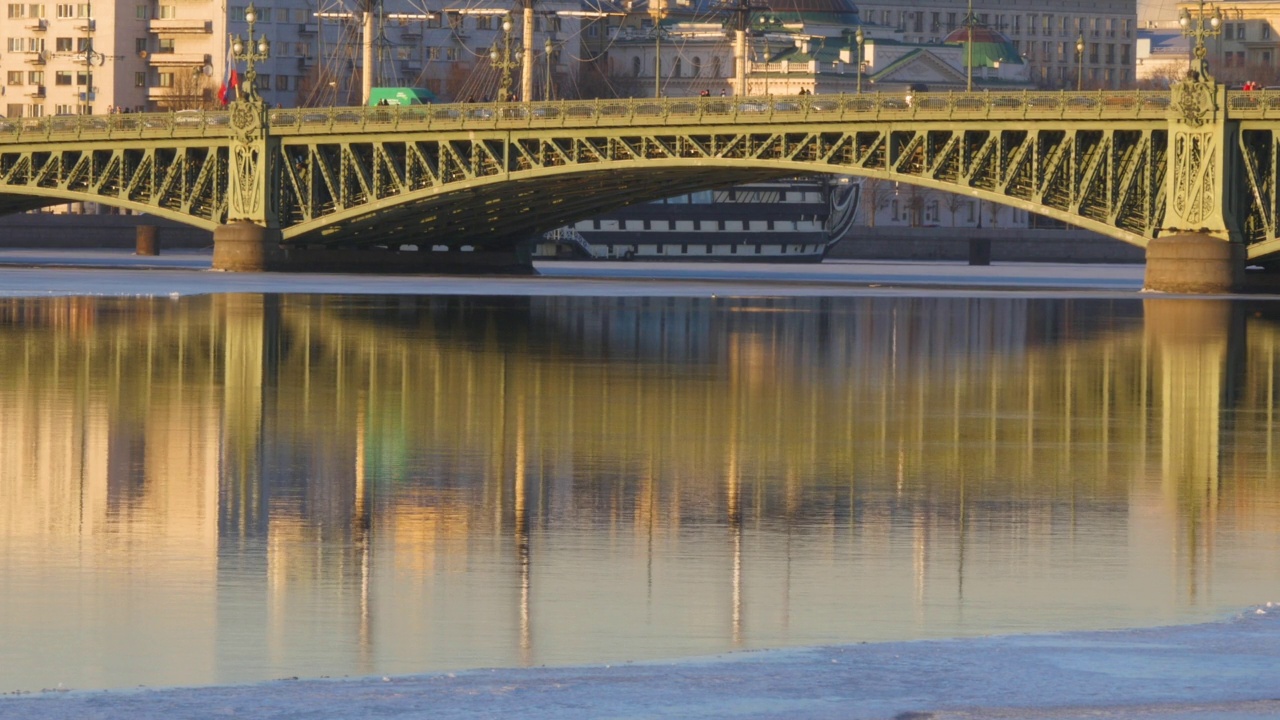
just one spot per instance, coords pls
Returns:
(229, 488)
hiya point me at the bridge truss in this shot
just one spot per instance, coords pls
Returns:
(495, 174)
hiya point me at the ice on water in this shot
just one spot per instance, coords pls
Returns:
(1228, 669)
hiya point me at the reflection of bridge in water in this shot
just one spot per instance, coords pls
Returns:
(468, 184)
(426, 431)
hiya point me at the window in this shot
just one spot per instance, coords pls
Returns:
(84, 10)
(64, 109)
(35, 77)
(13, 111)
(35, 44)
(62, 44)
(635, 67)
(165, 45)
(1265, 32)
(678, 71)
(168, 12)
(62, 77)
(697, 66)
(282, 82)
(139, 45)
(66, 11)
(433, 53)
(451, 54)
(15, 77)
(17, 11)
(1124, 54)
(82, 44)
(264, 15)
(140, 79)
(142, 12)
(715, 66)
(166, 80)
(14, 44)
(235, 13)
(82, 77)
(1240, 31)
(484, 22)
(264, 82)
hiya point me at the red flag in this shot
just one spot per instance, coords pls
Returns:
(228, 79)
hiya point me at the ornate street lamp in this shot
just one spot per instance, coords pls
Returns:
(1200, 27)
(1080, 63)
(250, 53)
(862, 39)
(505, 61)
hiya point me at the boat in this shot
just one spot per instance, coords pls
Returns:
(790, 220)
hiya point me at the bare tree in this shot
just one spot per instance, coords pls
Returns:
(914, 202)
(876, 194)
(955, 201)
(191, 90)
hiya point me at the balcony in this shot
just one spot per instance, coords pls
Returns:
(86, 25)
(37, 24)
(36, 92)
(36, 58)
(306, 63)
(308, 28)
(180, 59)
(173, 26)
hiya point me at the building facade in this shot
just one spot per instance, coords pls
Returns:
(99, 57)
(1045, 34)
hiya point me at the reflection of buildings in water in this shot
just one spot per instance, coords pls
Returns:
(372, 456)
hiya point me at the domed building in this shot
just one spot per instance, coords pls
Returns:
(991, 50)
(809, 46)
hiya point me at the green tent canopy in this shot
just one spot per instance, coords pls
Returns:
(400, 96)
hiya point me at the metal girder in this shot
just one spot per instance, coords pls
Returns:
(492, 174)
(1092, 174)
(186, 183)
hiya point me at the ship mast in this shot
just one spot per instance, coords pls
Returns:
(743, 12)
(526, 62)
(369, 8)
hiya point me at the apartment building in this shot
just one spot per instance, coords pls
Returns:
(1045, 34)
(99, 57)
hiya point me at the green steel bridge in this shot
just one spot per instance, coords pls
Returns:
(482, 179)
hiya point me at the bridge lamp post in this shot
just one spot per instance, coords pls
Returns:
(548, 47)
(250, 53)
(861, 39)
(504, 61)
(1080, 63)
(1200, 27)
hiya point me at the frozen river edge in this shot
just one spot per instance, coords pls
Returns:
(1226, 669)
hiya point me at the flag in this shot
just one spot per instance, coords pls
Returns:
(228, 79)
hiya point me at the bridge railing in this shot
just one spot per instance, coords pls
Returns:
(1253, 104)
(685, 111)
(939, 106)
(184, 123)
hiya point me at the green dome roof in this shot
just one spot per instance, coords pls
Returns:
(989, 46)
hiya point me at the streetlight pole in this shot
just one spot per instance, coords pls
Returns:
(968, 64)
(504, 62)
(251, 53)
(1080, 63)
(548, 47)
(861, 38)
(1200, 27)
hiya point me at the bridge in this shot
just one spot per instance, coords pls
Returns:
(1190, 174)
